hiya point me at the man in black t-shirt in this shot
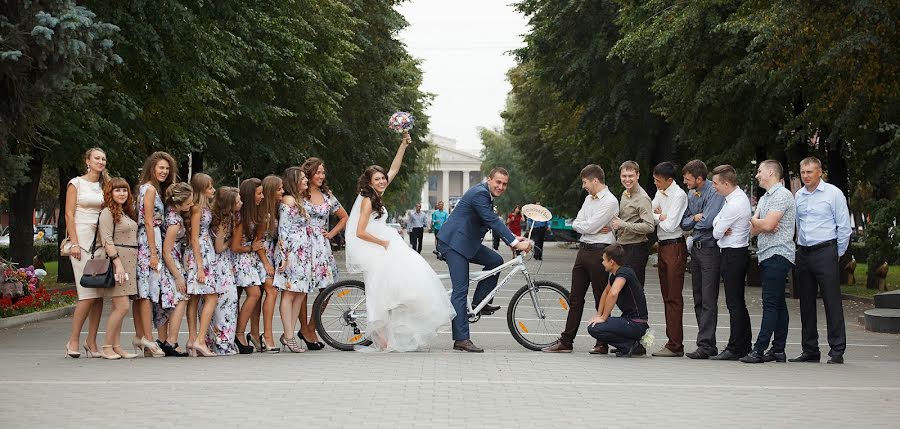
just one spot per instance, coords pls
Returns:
(625, 291)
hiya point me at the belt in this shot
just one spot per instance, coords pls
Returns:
(821, 245)
(593, 246)
(705, 244)
(671, 241)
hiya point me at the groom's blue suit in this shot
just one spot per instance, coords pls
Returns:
(460, 242)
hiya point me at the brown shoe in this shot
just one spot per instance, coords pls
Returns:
(467, 346)
(599, 349)
(557, 347)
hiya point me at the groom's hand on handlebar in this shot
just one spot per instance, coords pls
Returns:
(524, 244)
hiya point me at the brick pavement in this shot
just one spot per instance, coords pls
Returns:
(505, 387)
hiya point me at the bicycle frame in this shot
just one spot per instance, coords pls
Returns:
(518, 265)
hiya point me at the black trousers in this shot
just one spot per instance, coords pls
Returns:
(415, 238)
(705, 277)
(636, 256)
(819, 270)
(734, 274)
(538, 235)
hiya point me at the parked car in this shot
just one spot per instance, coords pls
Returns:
(50, 232)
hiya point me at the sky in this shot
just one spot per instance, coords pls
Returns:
(463, 47)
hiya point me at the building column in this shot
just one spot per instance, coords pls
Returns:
(466, 181)
(445, 187)
(424, 196)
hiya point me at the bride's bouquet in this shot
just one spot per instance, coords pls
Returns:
(401, 121)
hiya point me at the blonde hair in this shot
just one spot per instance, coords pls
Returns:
(178, 193)
(104, 176)
(292, 178)
(200, 183)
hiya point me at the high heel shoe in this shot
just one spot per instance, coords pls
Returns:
(170, 350)
(178, 352)
(291, 344)
(257, 342)
(151, 349)
(72, 354)
(88, 353)
(136, 343)
(122, 353)
(103, 354)
(267, 348)
(201, 350)
(318, 345)
(242, 349)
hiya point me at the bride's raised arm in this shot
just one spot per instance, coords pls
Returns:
(398, 158)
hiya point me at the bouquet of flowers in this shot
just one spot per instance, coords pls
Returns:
(401, 121)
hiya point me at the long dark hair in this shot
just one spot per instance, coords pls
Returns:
(364, 187)
(249, 211)
(309, 169)
(148, 173)
(291, 180)
(269, 210)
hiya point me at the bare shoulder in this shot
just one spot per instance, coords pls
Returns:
(289, 200)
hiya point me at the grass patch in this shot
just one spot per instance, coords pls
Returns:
(862, 270)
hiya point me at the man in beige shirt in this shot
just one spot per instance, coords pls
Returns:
(635, 220)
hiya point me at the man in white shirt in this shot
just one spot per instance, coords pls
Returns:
(731, 229)
(668, 207)
(598, 209)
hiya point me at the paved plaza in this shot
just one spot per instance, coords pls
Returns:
(507, 386)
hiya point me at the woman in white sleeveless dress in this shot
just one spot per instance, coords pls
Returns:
(405, 301)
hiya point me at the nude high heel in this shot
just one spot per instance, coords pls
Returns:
(151, 349)
(201, 350)
(72, 354)
(112, 356)
(88, 353)
(125, 355)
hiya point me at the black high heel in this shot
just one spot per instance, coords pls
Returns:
(242, 349)
(174, 348)
(311, 346)
(260, 346)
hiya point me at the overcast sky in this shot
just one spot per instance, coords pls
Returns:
(463, 45)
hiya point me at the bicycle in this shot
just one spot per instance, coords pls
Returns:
(536, 313)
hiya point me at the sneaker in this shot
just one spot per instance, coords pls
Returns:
(665, 352)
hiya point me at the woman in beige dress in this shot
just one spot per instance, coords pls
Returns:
(118, 233)
(84, 199)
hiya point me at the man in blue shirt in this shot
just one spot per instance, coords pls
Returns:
(538, 235)
(438, 217)
(823, 235)
(704, 205)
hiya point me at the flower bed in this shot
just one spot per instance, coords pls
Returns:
(39, 300)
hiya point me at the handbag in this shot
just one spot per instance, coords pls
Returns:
(98, 273)
(65, 247)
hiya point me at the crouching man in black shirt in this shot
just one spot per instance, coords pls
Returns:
(622, 289)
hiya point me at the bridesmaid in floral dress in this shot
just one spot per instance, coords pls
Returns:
(226, 205)
(268, 232)
(173, 283)
(293, 259)
(248, 268)
(158, 173)
(200, 260)
(320, 203)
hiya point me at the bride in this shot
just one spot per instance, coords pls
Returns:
(405, 301)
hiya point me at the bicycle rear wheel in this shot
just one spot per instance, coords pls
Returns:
(340, 314)
(537, 314)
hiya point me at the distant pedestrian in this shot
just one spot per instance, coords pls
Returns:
(417, 221)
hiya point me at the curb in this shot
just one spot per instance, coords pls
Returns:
(38, 316)
(862, 299)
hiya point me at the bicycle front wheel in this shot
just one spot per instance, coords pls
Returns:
(537, 314)
(340, 314)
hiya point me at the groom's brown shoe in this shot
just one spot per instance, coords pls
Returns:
(467, 346)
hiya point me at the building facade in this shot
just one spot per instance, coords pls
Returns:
(455, 172)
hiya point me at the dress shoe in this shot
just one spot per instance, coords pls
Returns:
(599, 349)
(726, 355)
(638, 350)
(806, 357)
(557, 347)
(697, 354)
(839, 359)
(771, 356)
(467, 346)
(666, 352)
(753, 357)
(491, 307)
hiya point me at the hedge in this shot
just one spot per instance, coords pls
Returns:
(47, 251)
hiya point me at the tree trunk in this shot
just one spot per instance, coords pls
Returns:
(21, 210)
(838, 174)
(65, 274)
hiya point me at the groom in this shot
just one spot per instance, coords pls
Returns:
(459, 241)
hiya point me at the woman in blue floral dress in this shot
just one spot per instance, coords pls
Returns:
(294, 262)
(173, 281)
(249, 271)
(273, 189)
(321, 204)
(226, 205)
(200, 259)
(158, 173)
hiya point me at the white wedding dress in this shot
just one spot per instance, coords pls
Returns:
(405, 301)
